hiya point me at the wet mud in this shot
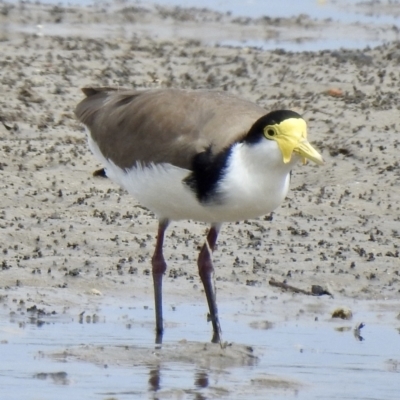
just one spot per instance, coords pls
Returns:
(74, 244)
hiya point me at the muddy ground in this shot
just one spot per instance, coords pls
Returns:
(71, 241)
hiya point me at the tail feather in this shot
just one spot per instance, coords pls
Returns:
(88, 108)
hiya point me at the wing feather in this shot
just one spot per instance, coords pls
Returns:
(164, 125)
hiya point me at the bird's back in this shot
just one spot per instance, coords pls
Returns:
(163, 125)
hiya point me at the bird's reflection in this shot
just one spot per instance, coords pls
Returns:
(201, 381)
(154, 379)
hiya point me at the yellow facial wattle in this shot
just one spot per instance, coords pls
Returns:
(291, 137)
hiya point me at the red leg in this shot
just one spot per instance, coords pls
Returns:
(159, 267)
(206, 270)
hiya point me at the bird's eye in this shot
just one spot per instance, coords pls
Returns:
(270, 132)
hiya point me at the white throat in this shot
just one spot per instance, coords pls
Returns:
(256, 180)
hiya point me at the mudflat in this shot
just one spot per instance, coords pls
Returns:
(71, 241)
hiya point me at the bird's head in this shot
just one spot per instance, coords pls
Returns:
(289, 130)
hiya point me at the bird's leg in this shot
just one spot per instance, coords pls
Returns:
(206, 270)
(159, 266)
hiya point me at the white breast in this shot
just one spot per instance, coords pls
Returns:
(255, 183)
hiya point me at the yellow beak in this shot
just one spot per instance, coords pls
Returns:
(305, 149)
(292, 138)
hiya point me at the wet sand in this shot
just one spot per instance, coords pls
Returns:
(71, 242)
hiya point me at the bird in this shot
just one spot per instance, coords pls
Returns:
(202, 155)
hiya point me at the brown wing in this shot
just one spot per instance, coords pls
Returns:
(163, 125)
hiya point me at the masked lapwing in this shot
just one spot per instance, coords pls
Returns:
(200, 155)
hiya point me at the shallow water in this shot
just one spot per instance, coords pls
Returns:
(356, 24)
(337, 10)
(342, 11)
(293, 359)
